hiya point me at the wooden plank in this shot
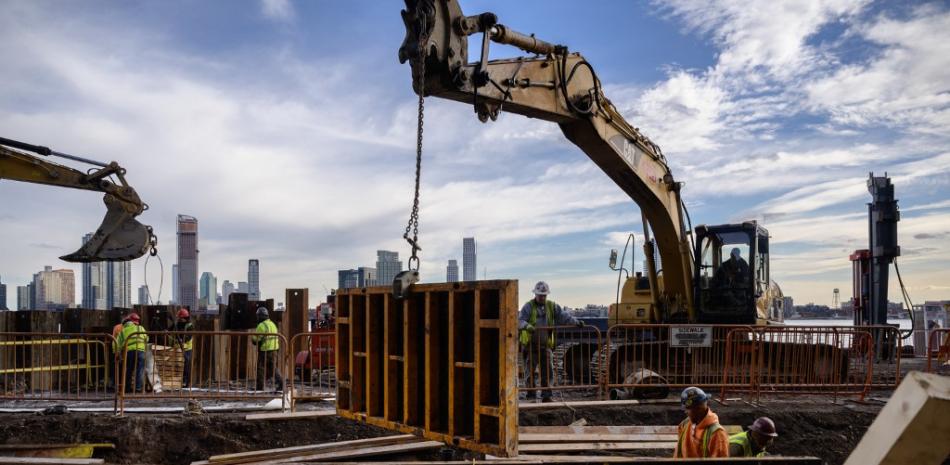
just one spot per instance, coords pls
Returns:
(250, 456)
(48, 461)
(357, 453)
(645, 437)
(290, 415)
(587, 446)
(451, 363)
(577, 403)
(614, 429)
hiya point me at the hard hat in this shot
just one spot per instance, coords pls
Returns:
(764, 426)
(134, 317)
(542, 288)
(183, 313)
(692, 396)
(262, 312)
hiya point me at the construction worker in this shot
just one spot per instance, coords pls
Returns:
(700, 434)
(538, 345)
(185, 342)
(752, 443)
(734, 271)
(116, 372)
(268, 345)
(132, 341)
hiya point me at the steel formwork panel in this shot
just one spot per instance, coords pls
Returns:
(441, 363)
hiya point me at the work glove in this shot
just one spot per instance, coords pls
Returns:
(529, 327)
(581, 324)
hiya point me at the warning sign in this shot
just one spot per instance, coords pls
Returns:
(691, 336)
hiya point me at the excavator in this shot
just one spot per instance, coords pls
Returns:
(120, 237)
(710, 275)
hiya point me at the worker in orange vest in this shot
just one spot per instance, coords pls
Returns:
(700, 435)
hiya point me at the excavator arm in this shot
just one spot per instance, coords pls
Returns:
(554, 85)
(120, 237)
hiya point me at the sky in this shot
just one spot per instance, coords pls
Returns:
(288, 129)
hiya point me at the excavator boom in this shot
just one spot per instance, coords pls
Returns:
(120, 237)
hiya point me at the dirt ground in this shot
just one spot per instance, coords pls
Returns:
(822, 429)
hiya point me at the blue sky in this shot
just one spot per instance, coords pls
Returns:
(287, 129)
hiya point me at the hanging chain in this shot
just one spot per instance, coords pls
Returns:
(413, 224)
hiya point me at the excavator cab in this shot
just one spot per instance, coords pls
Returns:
(731, 272)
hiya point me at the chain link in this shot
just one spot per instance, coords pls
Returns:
(413, 223)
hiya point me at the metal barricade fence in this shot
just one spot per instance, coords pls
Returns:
(938, 348)
(220, 365)
(312, 375)
(885, 345)
(799, 360)
(648, 360)
(573, 363)
(56, 366)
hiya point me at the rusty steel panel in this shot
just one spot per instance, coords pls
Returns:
(297, 315)
(441, 363)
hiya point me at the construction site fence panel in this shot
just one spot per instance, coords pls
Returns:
(218, 365)
(886, 345)
(798, 360)
(312, 373)
(938, 351)
(56, 366)
(561, 358)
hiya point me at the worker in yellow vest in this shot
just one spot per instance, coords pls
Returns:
(131, 343)
(752, 443)
(538, 345)
(268, 347)
(184, 340)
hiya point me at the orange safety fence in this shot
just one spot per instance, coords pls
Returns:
(56, 366)
(938, 350)
(560, 358)
(313, 375)
(219, 365)
(799, 360)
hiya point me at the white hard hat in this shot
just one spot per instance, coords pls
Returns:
(541, 288)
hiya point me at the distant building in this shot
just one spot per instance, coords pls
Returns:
(387, 266)
(788, 306)
(188, 261)
(226, 290)
(242, 287)
(143, 295)
(23, 297)
(254, 279)
(468, 259)
(3, 296)
(346, 279)
(54, 289)
(208, 293)
(452, 272)
(119, 293)
(95, 282)
(360, 277)
(175, 297)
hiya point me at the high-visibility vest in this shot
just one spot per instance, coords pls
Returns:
(743, 440)
(707, 435)
(186, 340)
(525, 336)
(266, 343)
(136, 336)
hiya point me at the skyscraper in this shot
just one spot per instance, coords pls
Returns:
(208, 297)
(175, 297)
(188, 261)
(387, 266)
(3, 296)
(452, 271)
(360, 277)
(226, 290)
(54, 289)
(254, 279)
(23, 297)
(468, 259)
(119, 292)
(143, 295)
(95, 278)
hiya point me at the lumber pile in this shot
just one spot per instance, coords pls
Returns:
(342, 451)
(169, 364)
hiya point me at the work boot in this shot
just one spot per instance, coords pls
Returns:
(545, 400)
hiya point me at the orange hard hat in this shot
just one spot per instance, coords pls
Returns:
(134, 317)
(183, 313)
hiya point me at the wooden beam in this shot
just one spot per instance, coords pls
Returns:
(596, 437)
(290, 415)
(251, 456)
(588, 446)
(614, 429)
(358, 453)
(48, 461)
(913, 426)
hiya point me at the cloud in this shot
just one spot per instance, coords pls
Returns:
(279, 10)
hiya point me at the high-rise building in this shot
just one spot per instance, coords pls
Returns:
(346, 279)
(188, 261)
(226, 290)
(175, 297)
(143, 295)
(95, 278)
(254, 279)
(387, 266)
(242, 287)
(360, 277)
(452, 271)
(119, 293)
(54, 289)
(23, 297)
(3, 296)
(468, 259)
(208, 296)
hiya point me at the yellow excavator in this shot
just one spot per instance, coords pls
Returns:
(120, 237)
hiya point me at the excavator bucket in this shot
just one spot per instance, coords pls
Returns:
(120, 237)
